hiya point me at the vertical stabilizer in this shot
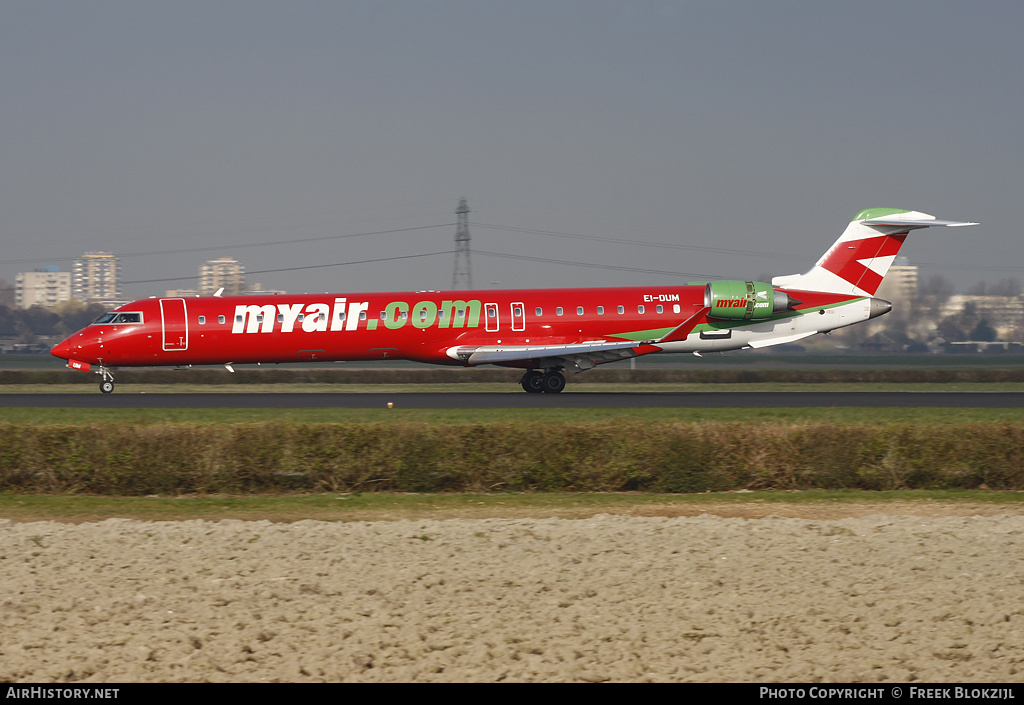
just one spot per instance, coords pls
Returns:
(859, 259)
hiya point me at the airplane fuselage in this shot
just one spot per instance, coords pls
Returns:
(429, 326)
(544, 331)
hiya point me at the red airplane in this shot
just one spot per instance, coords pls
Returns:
(543, 331)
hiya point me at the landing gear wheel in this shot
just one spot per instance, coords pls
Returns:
(553, 382)
(532, 382)
(106, 386)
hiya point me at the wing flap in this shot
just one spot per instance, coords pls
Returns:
(497, 354)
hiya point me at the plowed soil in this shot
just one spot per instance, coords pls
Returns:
(832, 593)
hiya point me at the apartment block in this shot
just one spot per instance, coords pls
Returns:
(226, 272)
(46, 288)
(96, 277)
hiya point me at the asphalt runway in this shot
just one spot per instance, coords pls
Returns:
(514, 400)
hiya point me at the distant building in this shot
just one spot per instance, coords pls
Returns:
(47, 287)
(900, 283)
(181, 293)
(880, 343)
(96, 278)
(899, 287)
(1004, 313)
(257, 288)
(224, 273)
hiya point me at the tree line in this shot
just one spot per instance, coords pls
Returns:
(27, 326)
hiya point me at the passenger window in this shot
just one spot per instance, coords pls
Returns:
(517, 312)
(640, 308)
(675, 308)
(220, 319)
(661, 309)
(238, 319)
(362, 315)
(383, 315)
(280, 318)
(202, 320)
(301, 317)
(579, 310)
(538, 311)
(462, 313)
(600, 310)
(621, 310)
(491, 313)
(558, 311)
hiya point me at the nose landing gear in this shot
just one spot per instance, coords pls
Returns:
(107, 385)
(550, 382)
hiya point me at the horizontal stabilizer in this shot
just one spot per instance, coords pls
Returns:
(858, 261)
(918, 223)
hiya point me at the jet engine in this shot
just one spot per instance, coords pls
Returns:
(736, 300)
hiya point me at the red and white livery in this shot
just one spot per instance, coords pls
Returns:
(543, 331)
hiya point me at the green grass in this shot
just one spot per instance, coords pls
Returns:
(389, 506)
(848, 415)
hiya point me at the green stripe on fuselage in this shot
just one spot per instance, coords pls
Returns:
(652, 334)
(719, 325)
(656, 333)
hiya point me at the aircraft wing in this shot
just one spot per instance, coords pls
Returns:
(576, 356)
(686, 327)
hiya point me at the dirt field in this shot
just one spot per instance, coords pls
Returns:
(832, 593)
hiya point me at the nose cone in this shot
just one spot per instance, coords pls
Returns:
(61, 350)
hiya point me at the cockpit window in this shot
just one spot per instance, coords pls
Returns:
(119, 317)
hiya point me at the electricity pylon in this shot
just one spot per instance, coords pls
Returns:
(462, 277)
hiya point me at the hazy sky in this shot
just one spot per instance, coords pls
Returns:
(745, 134)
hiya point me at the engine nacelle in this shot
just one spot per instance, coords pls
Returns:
(750, 301)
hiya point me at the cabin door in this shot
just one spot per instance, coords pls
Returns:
(518, 319)
(491, 318)
(175, 324)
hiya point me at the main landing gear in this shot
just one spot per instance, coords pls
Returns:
(550, 382)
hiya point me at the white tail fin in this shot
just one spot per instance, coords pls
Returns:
(859, 259)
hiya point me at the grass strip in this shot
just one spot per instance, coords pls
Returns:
(873, 416)
(393, 506)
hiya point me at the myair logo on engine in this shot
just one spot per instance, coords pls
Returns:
(738, 300)
(345, 315)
